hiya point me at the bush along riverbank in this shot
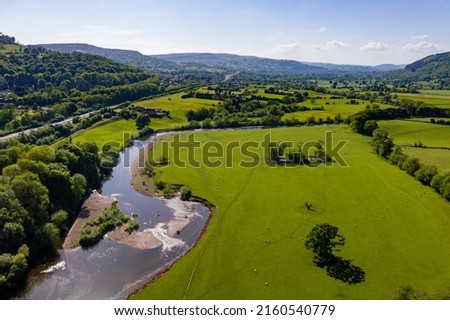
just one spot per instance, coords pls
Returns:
(111, 218)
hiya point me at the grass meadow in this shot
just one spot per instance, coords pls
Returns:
(436, 92)
(412, 131)
(438, 157)
(177, 108)
(408, 132)
(107, 132)
(432, 97)
(396, 229)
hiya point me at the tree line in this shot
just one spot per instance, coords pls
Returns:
(427, 174)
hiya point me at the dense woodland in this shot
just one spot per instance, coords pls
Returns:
(41, 86)
(40, 195)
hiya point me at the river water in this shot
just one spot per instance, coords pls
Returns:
(111, 270)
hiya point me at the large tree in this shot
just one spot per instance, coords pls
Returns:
(322, 240)
(142, 121)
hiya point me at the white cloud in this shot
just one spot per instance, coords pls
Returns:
(422, 46)
(321, 29)
(329, 45)
(374, 46)
(286, 47)
(296, 47)
(420, 37)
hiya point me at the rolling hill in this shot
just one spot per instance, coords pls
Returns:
(433, 67)
(214, 63)
(134, 58)
(348, 68)
(251, 64)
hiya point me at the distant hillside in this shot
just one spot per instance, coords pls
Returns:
(233, 62)
(129, 57)
(355, 68)
(135, 58)
(37, 69)
(433, 67)
(215, 66)
(191, 62)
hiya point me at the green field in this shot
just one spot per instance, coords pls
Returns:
(396, 229)
(111, 131)
(177, 108)
(439, 100)
(436, 92)
(438, 157)
(331, 107)
(408, 132)
(411, 131)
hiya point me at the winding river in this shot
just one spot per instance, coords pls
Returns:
(111, 270)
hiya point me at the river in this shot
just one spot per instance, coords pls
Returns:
(111, 270)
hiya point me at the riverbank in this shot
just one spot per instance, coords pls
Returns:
(91, 209)
(140, 181)
(143, 184)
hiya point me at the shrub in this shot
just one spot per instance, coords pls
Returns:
(145, 132)
(445, 181)
(426, 173)
(370, 126)
(411, 165)
(133, 225)
(93, 231)
(167, 191)
(185, 193)
(436, 182)
(160, 185)
(446, 191)
(397, 156)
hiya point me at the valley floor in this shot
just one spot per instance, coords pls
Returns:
(396, 229)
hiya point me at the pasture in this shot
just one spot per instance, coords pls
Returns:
(177, 108)
(331, 107)
(396, 229)
(111, 131)
(435, 138)
(438, 157)
(408, 132)
(436, 92)
(432, 97)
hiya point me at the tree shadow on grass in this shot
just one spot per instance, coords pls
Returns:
(341, 269)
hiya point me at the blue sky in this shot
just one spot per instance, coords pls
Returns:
(341, 31)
